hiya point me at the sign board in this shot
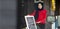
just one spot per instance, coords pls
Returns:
(30, 22)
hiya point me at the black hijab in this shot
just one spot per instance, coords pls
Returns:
(37, 9)
(37, 6)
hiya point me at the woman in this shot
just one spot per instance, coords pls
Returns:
(40, 15)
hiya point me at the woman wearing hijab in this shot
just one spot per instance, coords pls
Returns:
(40, 15)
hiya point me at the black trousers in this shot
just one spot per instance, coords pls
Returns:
(40, 26)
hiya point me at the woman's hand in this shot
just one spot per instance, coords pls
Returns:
(38, 22)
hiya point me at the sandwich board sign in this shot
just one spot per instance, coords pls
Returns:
(30, 22)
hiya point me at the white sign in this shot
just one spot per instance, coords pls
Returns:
(30, 22)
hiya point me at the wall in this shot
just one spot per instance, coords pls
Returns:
(7, 14)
